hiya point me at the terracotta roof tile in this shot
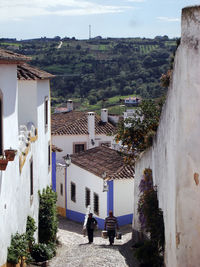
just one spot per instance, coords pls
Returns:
(103, 159)
(27, 72)
(76, 123)
(6, 55)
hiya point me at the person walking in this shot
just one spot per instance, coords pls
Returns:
(111, 225)
(91, 225)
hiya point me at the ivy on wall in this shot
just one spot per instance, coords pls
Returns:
(150, 252)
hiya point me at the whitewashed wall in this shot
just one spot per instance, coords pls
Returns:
(27, 109)
(123, 197)
(8, 86)
(15, 201)
(44, 135)
(65, 142)
(174, 157)
(60, 179)
(83, 179)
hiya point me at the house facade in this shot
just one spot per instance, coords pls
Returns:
(97, 178)
(132, 101)
(76, 131)
(25, 127)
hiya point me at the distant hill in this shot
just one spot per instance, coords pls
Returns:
(99, 68)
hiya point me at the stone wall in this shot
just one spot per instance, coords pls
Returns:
(175, 155)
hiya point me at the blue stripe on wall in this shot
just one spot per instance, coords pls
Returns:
(80, 217)
(54, 171)
(66, 188)
(110, 196)
(126, 219)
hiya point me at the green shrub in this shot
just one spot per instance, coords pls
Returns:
(18, 249)
(42, 252)
(48, 221)
(30, 229)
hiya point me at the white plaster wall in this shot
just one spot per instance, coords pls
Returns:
(99, 139)
(83, 179)
(60, 179)
(44, 136)
(123, 197)
(15, 200)
(27, 102)
(8, 86)
(66, 142)
(174, 157)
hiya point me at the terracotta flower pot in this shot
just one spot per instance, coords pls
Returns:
(10, 154)
(3, 164)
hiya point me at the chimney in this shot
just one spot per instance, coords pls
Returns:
(69, 105)
(91, 129)
(104, 115)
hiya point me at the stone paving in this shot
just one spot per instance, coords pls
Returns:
(76, 252)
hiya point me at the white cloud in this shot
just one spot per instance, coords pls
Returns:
(21, 9)
(167, 19)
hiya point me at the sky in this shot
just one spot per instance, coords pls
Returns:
(27, 19)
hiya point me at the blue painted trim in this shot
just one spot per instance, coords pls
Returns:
(54, 171)
(126, 219)
(66, 188)
(110, 197)
(80, 217)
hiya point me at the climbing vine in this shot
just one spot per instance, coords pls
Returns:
(150, 251)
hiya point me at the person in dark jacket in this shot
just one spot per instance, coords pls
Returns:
(111, 225)
(91, 225)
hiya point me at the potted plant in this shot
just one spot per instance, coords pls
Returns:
(10, 154)
(3, 163)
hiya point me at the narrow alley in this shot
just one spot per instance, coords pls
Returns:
(76, 252)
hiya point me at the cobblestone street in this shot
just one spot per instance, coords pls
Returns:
(75, 251)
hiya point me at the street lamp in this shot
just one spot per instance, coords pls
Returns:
(67, 160)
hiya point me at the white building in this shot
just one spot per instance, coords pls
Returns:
(25, 127)
(76, 131)
(83, 183)
(132, 101)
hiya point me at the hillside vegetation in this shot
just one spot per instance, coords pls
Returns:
(97, 69)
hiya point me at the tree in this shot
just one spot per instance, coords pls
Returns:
(137, 133)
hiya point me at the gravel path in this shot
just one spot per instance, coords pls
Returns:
(75, 252)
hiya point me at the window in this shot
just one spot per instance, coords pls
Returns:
(31, 177)
(87, 197)
(96, 204)
(46, 103)
(1, 125)
(61, 189)
(77, 148)
(73, 192)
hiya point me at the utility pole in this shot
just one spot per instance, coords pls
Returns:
(89, 31)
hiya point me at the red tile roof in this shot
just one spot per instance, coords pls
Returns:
(103, 159)
(27, 72)
(9, 56)
(76, 123)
